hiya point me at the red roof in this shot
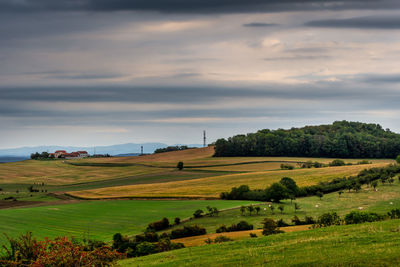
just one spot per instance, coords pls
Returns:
(61, 151)
(82, 152)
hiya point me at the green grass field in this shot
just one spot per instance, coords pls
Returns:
(370, 200)
(99, 219)
(369, 244)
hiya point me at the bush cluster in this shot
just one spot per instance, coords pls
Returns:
(241, 226)
(190, 230)
(143, 244)
(158, 225)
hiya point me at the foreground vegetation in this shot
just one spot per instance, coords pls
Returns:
(369, 244)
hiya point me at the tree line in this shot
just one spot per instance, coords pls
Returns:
(342, 139)
(287, 188)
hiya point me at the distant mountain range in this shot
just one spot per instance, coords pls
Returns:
(129, 148)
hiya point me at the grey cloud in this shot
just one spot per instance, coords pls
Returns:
(195, 6)
(259, 24)
(382, 78)
(297, 57)
(371, 22)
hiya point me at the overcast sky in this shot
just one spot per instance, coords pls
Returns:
(99, 72)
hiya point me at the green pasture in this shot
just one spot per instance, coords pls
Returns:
(99, 219)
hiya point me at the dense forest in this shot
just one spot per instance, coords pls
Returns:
(342, 139)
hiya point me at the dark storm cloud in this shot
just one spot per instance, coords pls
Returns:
(195, 6)
(259, 24)
(371, 22)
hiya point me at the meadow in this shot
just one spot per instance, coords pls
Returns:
(214, 185)
(381, 201)
(99, 220)
(368, 244)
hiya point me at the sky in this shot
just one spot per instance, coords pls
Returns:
(102, 72)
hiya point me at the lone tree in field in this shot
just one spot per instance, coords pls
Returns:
(320, 195)
(271, 207)
(242, 209)
(250, 209)
(281, 208)
(257, 208)
(180, 165)
(296, 207)
(374, 184)
(340, 193)
(270, 227)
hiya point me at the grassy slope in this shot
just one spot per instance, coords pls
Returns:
(370, 244)
(213, 186)
(101, 219)
(368, 199)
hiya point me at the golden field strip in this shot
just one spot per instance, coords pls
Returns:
(194, 241)
(213, 186)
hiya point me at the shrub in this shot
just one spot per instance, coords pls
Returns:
(241, 226)
(177, 220)
(394, 214)
(328, 219)
(337, 162)
(222, 229)
(270, 227)
(285, 166)
(355, 217)
(180, 165)
(148, 236)
(221, 239)
(146, 248)
(282, 223)
(253, 235)
(159, 225)
(198, 213)
(186, 231)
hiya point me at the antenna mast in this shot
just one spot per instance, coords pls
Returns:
(204, 139)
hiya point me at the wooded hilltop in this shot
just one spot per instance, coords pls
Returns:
(342, 139)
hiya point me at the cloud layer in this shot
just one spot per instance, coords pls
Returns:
(88, 72)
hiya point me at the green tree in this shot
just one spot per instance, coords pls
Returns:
(198, 213)
(270, 227)
(296, 207)
(374, 184)
(180, 165)
(276, 192)
(271, 207)
(242, 209)
(398, 159)
(319, 194)
(340, 193)
(290, 184)
(257, 208)
(250, 209)
(281, 208)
